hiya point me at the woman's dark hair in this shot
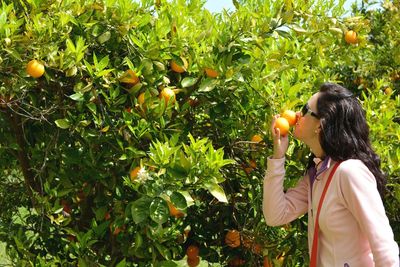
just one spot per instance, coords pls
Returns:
(344, 130)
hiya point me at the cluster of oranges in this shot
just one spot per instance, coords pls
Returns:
(287, 119)
(182, 67)
(234, 239)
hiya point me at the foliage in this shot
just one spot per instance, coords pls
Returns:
(73, 136)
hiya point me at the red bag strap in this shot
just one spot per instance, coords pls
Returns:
(314, 250)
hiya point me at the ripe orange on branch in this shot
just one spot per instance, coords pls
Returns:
(193, 262)
(129, 78)
(35, 69)
(232, 238)
(173, 211)
(192, 251)
(267, 262)
(351, 37)
(167, 94)
(178, 67)
(134, 173)
(211, 72)
(256, 138)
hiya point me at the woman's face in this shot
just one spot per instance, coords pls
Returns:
(308, 125)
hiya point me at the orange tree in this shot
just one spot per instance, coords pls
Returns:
(135, 144)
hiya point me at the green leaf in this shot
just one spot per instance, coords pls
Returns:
(122, 263)
(102, 64)
(178, 200)
(159, 211)
(140, 209)
(70, 46)
(217, 192)
(92, 107)
(77, 97)
(62, 123)
(208, 85)
(188, 81)
(104, 37)
(89, 67)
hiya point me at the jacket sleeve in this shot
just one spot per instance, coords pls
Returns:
(360, 195)
(279, 207)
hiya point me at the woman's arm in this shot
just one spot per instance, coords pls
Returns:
(360, 195)
(278, 207)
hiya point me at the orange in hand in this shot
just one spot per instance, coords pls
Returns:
(283, 125)
(290, 116)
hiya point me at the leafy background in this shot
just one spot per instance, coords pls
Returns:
(72, 137)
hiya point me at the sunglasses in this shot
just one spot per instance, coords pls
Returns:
(306, 109)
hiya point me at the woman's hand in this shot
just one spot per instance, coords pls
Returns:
(281, 143)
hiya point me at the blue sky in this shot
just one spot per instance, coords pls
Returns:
(218, 5)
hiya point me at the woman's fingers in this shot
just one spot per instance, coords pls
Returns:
(273, 130)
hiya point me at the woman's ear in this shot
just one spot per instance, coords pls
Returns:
(318, 130)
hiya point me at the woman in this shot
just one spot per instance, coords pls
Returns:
(353, 229)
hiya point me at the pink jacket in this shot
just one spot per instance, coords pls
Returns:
(354, 229)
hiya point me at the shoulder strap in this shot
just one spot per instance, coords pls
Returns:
(314, 250)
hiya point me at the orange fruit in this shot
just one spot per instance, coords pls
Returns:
(257, 248)
(193, 102)
(388, 91)
(395, 76)
(211, 73)
(251, 166)
(178, 67)
(107, 216)
(236, 262)
(256, 138)
(351, 37)
(35, 68)
(281, 258)
(232, 238)
(192, 251)
(141, 99)
(193, 262)
(129, 78)
(134, 173)
(267, 262)
(173, 211)
(247, 242)
(117, 230)
(283, 125)
(66, 207)
(71, 238)
(167, 94)
(290, 116)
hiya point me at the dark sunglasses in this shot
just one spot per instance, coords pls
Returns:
(306, 109)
